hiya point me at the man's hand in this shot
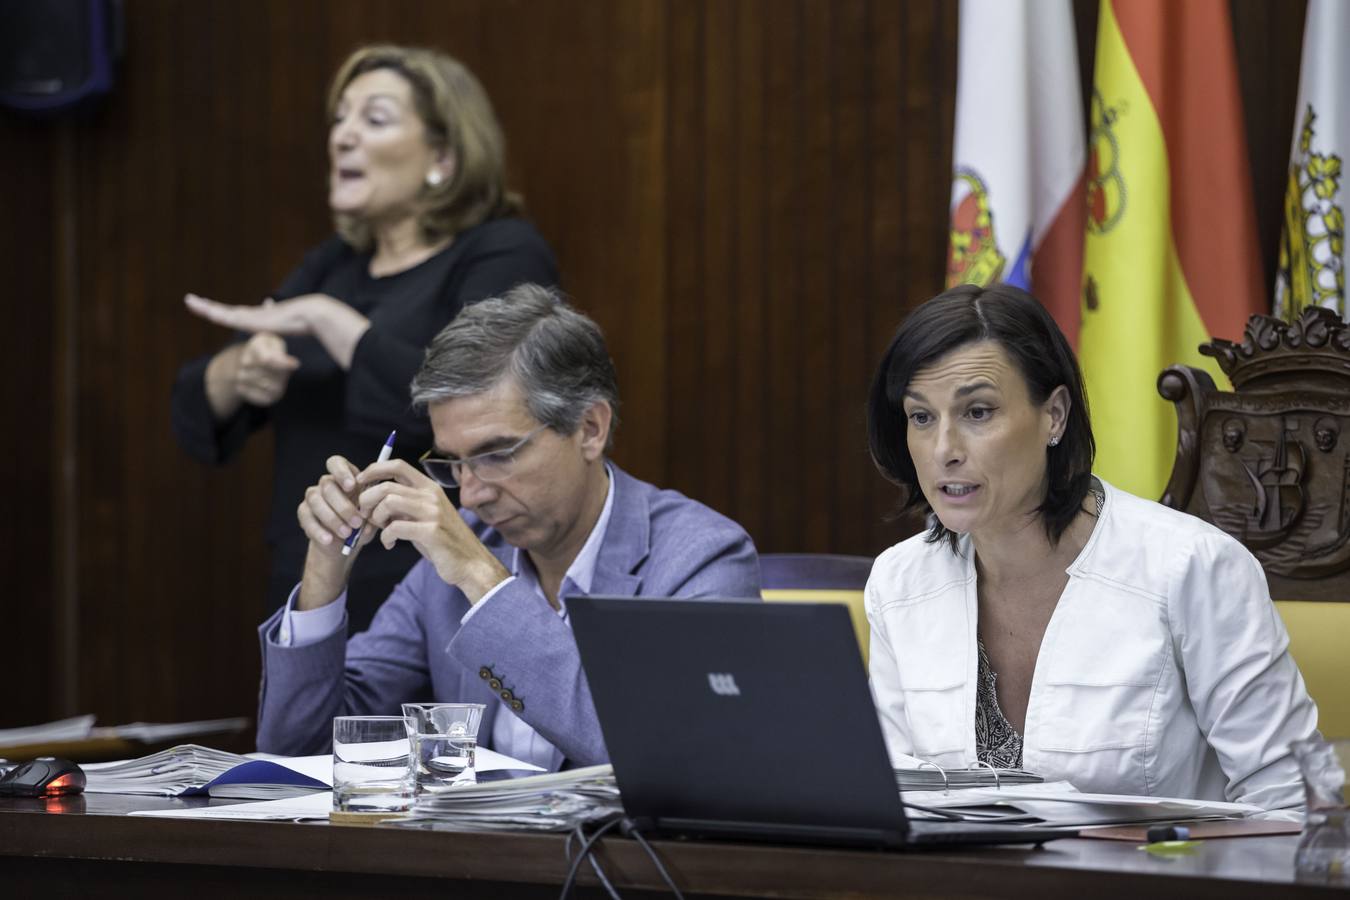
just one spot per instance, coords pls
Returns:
(328, 515)
(409, 506)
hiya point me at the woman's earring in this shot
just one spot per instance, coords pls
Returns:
(1054, 441)
(434, 177)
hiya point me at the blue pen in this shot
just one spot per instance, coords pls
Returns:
(385, 452)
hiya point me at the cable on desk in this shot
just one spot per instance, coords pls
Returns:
(579, 833)
(587, 843)
(628, 829)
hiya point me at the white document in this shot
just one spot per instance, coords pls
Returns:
(311, 807)
(74, 729)
(1105, 809)
(485, 760)
(318, 767)
(82, 727)
(1060, 804)
(165, 773)
(321, 767)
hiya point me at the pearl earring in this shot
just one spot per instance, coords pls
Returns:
(434, 177)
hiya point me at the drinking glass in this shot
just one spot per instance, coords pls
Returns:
(445, 738)
(1323, 855)
(372, 764)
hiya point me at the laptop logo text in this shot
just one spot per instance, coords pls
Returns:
(723, 684)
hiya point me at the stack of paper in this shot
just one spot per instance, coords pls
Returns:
(302, 807)
(82, 728)
(189, 770)
(65, 730)
(1058, 804)
(167, 773)
(558, 801)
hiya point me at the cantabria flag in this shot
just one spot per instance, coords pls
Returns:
(1171, 253)
(1017, 207)
(1312, 249)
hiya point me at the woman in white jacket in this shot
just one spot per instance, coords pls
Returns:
(1047, 619)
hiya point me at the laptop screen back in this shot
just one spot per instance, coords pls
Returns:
(737, 712)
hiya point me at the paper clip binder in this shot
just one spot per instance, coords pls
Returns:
(981, 774)
(979, 763)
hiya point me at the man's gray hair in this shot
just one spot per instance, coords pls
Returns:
(556, 354)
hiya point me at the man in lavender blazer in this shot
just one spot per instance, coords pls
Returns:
(522, 399)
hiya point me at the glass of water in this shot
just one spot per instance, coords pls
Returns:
(372, 764)
(445, 738)
(1323, 855)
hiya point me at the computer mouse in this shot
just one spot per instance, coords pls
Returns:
(46, 776)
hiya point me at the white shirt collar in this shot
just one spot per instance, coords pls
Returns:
(581, 573)
(582, 570)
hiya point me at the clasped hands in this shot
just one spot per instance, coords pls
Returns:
(403, 505)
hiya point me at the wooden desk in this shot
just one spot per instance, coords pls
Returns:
(85, 846)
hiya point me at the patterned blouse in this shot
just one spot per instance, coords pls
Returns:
(997, 742)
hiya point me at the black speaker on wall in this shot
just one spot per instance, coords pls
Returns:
(57, 54)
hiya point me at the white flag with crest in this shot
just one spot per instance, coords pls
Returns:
(1017, 207)
(1312, 247)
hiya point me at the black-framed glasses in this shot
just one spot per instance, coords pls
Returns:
(495, 465)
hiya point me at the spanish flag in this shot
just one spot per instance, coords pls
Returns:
(1170, 258)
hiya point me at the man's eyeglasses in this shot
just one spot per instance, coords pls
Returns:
(495, 465)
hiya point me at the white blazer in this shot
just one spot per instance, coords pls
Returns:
(1164, 670)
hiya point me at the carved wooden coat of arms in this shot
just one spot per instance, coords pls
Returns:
(1268, 461)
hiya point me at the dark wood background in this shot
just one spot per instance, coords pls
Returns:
(746, 194)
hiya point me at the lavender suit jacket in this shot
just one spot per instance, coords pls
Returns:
(658, 544)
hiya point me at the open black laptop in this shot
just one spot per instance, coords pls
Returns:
(749, 720)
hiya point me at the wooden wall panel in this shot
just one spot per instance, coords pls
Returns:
(28, 255)
(750, 306)
(581, 91)
(173, 195)
(746, 194)
(775, 191)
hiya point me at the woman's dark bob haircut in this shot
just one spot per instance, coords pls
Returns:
(1016, 321)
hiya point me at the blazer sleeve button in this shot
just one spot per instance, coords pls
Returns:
(507, 696)
(517, 706)
(485, 673)
(495, 684)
